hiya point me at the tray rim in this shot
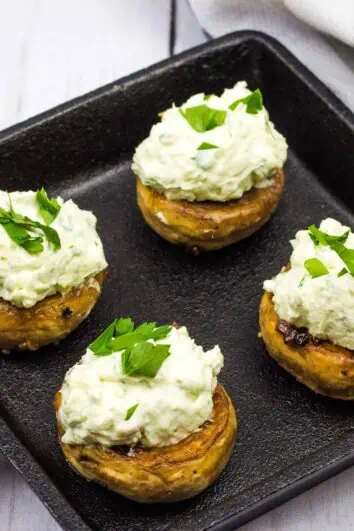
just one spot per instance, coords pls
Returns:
(12, 447)
(293, 63)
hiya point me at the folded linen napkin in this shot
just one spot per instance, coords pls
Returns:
(331, 61)
(333, 17)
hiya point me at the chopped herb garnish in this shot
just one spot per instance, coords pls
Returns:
(144, 359)
(125, 341)
(336, 243)
(320, 237)
(130, 412)
(315, 267)
(342, 272)
(301, 283)
(146, 329)
(207, 97)
(205, 145)
(101, 345)
(253, 102)
(19, 227)
(346, 255)
(161, 332)
(124, 326)
(49, 208)
(203, 118)
(140, 356)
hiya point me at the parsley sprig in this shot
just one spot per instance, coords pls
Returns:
(130, 412)
(253, 102)
(140, 357)
(27, 233)
(320, 237)
(205, 145)
(203, 118)
(336, 243)
(315, 267)
(342, 272)
(49, 208)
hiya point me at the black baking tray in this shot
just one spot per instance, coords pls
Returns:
(289, 438)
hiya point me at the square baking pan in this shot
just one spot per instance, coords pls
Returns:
(289, 438)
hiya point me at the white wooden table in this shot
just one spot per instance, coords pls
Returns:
(52, 51)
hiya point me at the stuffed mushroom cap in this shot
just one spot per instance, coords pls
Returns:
(149, 422)
(212, 148)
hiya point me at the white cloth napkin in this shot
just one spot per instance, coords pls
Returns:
(331, 61)
(335, 17)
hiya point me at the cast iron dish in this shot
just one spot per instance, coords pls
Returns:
(81, 149)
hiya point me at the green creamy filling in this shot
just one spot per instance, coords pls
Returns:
(213, 148)
(53, 243)
(115, 408)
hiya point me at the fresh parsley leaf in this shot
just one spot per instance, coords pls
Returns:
(19, 227)
(203, 118)
(52, 236)
(320, 237)
(150, 331)
(134, 359)
(159, 353)
(146, 329)
(337, 239)
(315, 239)
(33, 245)
(49, 208)
(336, 243)
(124, 326)
(126, 341)
(125, 361)
(342, 272)
(346, 255)
(207, 97)
(140, 357)
(100, 346)
(205, 145)
(17, 233)
(130, 412)
(145, 359)
(20, 236)
(315, 267)
(10, 205)
(253, 102)
(161, 332)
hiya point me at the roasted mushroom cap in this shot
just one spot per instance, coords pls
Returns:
(209, 225)
(48, 321)
(324, 367)
(166, 474)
